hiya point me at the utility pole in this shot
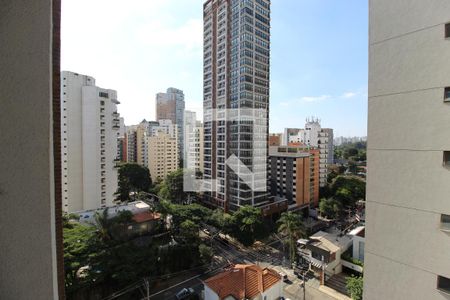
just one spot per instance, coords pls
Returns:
(147, 288)
(304, 285)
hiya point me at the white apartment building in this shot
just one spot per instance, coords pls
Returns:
(193, 158)
(89, 126)
(408, 210)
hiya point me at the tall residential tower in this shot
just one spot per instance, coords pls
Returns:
(408, 181)
(89, 126)
(236, 76)
(170, 106)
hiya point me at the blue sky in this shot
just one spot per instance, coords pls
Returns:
(141, 47)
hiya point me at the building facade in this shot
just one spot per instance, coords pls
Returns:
(162, 155)
(407, 222)
(294, 175)
(131, 143)
(89, 127)
(236, 76)
(170, 106)
(313, 135)
(275, 139)
(193, 159)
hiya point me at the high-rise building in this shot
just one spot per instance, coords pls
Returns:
(122, 145)
(131, 142)
(294, 175)
(236, 76)
(89, 143)
(408, 211)
(193, 159)
(141, 143)
(162, 155)
(170, 106)
(313, 135)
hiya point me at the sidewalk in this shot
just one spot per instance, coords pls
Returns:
(321, 292)
(333, 293)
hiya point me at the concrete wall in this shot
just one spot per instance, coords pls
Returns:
(210, 294)
(275, 292)
(27, 227)
(407, 186)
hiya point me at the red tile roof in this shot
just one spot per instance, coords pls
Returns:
(243, 281)
(146, 216)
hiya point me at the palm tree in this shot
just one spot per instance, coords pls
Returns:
(291, 225)
(104, 225)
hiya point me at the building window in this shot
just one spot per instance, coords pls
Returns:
(445, 222)
(443, 284)
(103, 94)
(447, 30)
(446, 161)
(447, 94)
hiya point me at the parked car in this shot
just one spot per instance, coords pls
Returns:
(283, 276)
(184, 294)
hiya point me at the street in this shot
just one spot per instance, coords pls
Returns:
(226, 254)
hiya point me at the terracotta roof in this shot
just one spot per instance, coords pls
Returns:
(146, 216)
(243, 281)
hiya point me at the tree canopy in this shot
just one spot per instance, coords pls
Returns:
(132, 178)
(172, 187)
(291, 225)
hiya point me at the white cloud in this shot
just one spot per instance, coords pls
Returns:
(349, 95)
(138, 50)
(159, 33)
(315, 98)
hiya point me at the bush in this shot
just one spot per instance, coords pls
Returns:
(348, 257)
(355, 287)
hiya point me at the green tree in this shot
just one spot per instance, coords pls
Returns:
(330, 208)
(291, 225)
(247, 224)
(172, 187)
(350, 152)
(206, 253)
(355, 287)
(349, 189)
(104, 224)
(132, 178)
(78, 245)
(188, 232)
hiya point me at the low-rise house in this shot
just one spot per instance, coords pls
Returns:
(358, 242)
(136, 207)
(323, 252)
(353, 259)
(244, 282)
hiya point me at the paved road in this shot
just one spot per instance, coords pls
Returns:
(228, 253)
(170, 293)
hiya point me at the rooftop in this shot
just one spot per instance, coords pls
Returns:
(243, 281)
(285, 151)
(330, 242)
(146, 216)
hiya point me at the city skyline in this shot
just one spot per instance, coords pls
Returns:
(164, 49)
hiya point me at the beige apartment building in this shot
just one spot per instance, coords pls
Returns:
(162, 155)
(407, 253)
